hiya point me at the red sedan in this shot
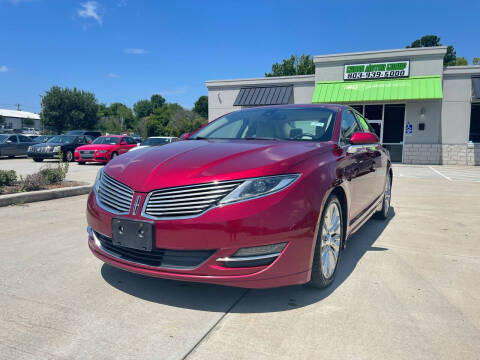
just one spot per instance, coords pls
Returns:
(261, 197)
(103, 149)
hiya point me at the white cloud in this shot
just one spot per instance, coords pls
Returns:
(90, 9)
(112, 75)
(135, 51)
(3, 68)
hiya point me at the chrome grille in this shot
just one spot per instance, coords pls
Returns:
(114, 195)
(187, 201)
(87, 154)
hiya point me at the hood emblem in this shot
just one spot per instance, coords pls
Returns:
(135, 205)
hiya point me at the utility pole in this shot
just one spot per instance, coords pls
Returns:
(18, 107)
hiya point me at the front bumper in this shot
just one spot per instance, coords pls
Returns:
(43, 155)
(101, 158)
(223, 231)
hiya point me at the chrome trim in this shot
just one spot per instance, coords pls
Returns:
(119, 256)
(135, 206)
(247, 258)
(113, 195)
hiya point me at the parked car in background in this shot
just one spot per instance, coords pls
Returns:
(155, 141)
(137, 138)
(42, 139)
(104, 148)
(64, 143)
(12, 145)
(261, 197)
(92, 133)
(30, 131)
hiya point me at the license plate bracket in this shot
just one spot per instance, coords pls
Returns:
(133, 234)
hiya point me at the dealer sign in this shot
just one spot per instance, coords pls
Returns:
(396, 69)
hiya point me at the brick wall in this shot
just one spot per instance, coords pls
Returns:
(441, 154)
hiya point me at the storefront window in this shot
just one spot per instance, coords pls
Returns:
(475, 123)
(373, 112)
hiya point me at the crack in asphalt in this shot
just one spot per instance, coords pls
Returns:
(199, 342)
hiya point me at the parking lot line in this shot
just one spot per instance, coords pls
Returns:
(439, 173)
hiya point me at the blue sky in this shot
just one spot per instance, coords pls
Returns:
(126, 50)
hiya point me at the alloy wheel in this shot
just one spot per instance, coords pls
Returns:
(331, 237)
(69, 156)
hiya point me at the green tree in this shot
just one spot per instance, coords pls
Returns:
(201, 106)
(433, 40)
(295, 65)
(142, 108)
(157, 101)
(461, 61)
(476, 61)
(2, 120)
(28, 122)
(116, 118)
(66, 109)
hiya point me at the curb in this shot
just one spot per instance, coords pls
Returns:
(43, 195)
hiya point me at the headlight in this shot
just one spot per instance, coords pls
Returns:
(102, 151)
(56, 149)
(96, 186)
(258, 187)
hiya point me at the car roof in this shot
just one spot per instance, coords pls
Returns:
(300, 106)
(112, 135)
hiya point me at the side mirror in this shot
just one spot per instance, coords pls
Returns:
(185, 136)
(363, 138)
(123, 142)
(89, 141)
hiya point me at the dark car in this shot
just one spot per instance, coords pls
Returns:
(261, 197)
(42, 139)
(92, 133)
(64, 143)
(14, 145)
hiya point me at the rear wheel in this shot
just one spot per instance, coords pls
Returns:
(37, 160)
(387, 197)
(329, 242)
(114, 154)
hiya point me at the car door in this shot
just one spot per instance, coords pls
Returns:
(11, 146)
(130, 143)
(356, 166)
(378, 158)
(24, 143)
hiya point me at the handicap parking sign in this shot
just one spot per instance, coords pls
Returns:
(408, 129)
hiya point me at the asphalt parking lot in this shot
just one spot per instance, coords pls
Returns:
(407, 288)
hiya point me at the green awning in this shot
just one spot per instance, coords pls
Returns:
(414, 88)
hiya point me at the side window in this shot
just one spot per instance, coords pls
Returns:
(349, 126)
(364, 124)
(79, 140)
(13, 138)
(24, 138)
(130, 141)
(88, 138)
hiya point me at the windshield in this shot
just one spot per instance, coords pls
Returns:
(3, 138)
(62, 139)
(303, 124)
(155, 141)
(110, 140)
(41, 139)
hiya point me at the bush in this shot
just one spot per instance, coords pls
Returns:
(8, 177)
(33, 182)
(53, 175)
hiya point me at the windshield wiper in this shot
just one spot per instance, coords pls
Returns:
(258, 138)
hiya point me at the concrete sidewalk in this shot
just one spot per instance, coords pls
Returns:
(407, 288)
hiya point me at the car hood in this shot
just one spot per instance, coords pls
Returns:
(96, 147)
(51, 144)
(197, 161)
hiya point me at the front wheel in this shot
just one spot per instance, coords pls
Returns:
(114, 154)
(329, 242)
(68, 157)
(81, 163)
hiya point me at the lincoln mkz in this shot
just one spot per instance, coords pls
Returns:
(261, 197)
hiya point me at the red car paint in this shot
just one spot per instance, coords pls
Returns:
(103, 152)
(291, 215)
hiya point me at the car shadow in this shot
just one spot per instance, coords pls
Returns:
(207, 297)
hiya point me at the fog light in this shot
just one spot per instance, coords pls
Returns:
(260, 250)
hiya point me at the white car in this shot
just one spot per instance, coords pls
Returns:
(155, 141)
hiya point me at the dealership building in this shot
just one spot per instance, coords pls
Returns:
(17, 120)
(422, 111)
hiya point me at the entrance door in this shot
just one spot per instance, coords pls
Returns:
(393, 123)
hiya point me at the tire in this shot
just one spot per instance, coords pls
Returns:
(81, 163)
(387, 197)
(328, 245)
(68, 157)
(114, 154)
(37, 160)
(11, 156)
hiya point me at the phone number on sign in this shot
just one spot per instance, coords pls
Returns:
(376, 75)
